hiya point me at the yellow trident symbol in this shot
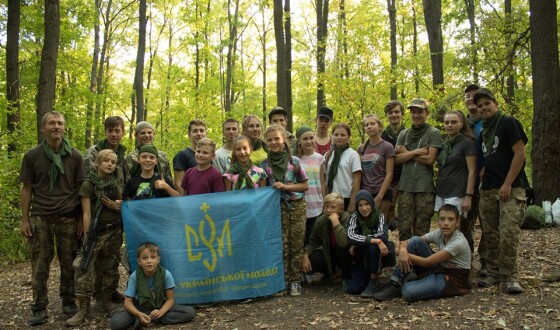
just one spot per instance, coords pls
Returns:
(208, 242)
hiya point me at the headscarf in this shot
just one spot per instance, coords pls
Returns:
(368, 225)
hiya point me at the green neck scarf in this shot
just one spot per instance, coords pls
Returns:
(416, 133)
(369, 226)
(56, 166)
(243, 176)
(257, 144)
(145, 298)
(279, 163)
(473, 121)
(101, 187)
(447, 146)
(393, 135)
(121, 150)
(489, 127)
(333, 169)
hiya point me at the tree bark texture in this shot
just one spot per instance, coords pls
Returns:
(546, 100)
(230, 60)
(281, 59)
(93, 76)
(473, 50)
(391, 8)
(432, 17)
(12, 71)
(322, 11)
(49, 56)
(139, 74)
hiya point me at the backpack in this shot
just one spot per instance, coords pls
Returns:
(534, 218)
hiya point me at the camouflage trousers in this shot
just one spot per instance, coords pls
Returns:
(103, 266)
(415, 213)
(467, 227)
(48, 231)
(293, 234)
(501, 222)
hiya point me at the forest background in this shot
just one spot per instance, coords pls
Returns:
(170, 61)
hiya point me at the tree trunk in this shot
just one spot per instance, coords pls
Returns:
(343, 40)
(391, 8)
(510, 80)
(546, 100)
(139, 74)
(288, 72)
(432, 17)
(100, 100)
(230, 60)
(93, 76)
(415, 50)
(322, 11)
(281, 59)
(12, 72)
(473, 50)
(49, 56)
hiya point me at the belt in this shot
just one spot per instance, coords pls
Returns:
(109, 227)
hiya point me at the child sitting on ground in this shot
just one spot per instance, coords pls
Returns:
(369, 238)
(203, 178)
(242, 174)
(149, 297)
(149, 183)
(328, 242)
(441, 274)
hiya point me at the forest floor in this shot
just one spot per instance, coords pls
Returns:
(326, 307)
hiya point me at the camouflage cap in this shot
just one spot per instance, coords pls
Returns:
(483, 92)
(418, 103)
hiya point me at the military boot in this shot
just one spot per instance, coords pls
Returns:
(82, 313)
(105, 304)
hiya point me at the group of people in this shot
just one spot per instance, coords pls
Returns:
(337, 204)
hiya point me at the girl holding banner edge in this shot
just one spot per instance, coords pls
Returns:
(242, 174)
(286, 174)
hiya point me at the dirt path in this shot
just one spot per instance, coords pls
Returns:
(325, 307)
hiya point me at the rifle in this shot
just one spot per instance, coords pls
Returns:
(91, 240)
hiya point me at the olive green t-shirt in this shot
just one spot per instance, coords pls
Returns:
(417, 177)
(107, 216)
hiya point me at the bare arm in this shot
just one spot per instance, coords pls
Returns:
(403, 155)
(471, 181)
(293, 187)
(356, 182)
(389, 169)
(428, 159)
(178, 179)
(516, 164)
(86, 211)
(432, 260)
(169, 301)
(129, 306)
(25, 204)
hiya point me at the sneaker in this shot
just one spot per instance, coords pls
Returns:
(70, 308)
(372, 287)
(295, 289)
(487, 281)
(313, 278)
(390, 291)
(513, 287)
(38, 317)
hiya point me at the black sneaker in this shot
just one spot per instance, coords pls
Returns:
(70, 308)
(390, 290)
(38, 317)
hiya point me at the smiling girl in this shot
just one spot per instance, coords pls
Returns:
(286, 174)
(242, 174)
(252, 128)
(342, 171)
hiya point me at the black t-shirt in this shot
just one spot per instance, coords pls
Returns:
(141, 188)
(497, 161)
(452, 178)
(184, 160)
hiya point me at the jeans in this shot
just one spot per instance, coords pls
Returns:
(428, 287)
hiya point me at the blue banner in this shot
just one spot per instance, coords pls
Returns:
(220, 246)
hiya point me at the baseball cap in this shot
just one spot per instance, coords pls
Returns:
(277, 111)
(325, 113)
(418, 103)
(483, 92)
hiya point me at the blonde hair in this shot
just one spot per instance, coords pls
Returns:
(207, 142)
(245, 124)
(376, 118)
(335, 198)
(102, 155)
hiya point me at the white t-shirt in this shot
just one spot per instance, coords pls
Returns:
(457, 246)
(349, 163)
(222, 159)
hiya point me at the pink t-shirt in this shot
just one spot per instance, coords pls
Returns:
(374, 160)
(313, 196)
(202, 182)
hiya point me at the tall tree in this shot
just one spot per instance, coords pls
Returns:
(510, 79)
(138, 95)
(233, 23)
(432, 17)
(93, 75)
(391, 8)
(546, 100)
(322, 11)
(283, 36)
(473, 50)
(49, 56)
(12, 71)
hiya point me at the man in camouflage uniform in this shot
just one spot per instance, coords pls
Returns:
(144, 134)
(114, 132)
(52, 174)
(502, 191)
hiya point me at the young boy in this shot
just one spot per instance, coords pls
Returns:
(328, 242)
(186, 158)
(147, 184)
(502, 191)
(149, 297)
(323, 140)
(203, 178)
(441, 274)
